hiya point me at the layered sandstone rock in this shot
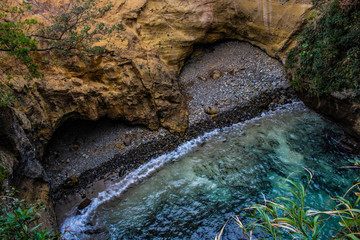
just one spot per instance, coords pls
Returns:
(138, 82)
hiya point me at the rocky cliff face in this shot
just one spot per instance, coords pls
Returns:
(137, 82)
(339, 106)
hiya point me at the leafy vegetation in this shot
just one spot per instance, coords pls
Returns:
(327, 56)
(6, 96)
(17, 219)
(71, 33)
(287, 217)
(13, 39)
(63, 35)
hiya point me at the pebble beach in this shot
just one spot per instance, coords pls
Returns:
(226, 83)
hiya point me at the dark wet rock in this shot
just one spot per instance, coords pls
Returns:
(343, 111)
(350, 145)
(8, 161)
(71, 182)
(13, 138)
(34, 169)
(97, 230)
(128, 140)
(84, 204)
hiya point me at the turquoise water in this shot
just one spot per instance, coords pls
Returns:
(192, 192)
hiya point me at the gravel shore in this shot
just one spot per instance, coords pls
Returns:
(227, 83)
(229, 75)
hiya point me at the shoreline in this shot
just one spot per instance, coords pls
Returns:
(228, 83)
(93, 181)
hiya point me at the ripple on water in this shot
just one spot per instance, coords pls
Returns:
(191, 192)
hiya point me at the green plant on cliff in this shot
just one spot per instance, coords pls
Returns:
(327, 56)
(6, 96)
(17, 219)
(65, 34)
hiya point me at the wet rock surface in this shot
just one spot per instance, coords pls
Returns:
(342, 109)
(84, 204)
(100, 152)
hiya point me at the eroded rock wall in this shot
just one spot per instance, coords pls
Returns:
(342, 109)
(137, 82)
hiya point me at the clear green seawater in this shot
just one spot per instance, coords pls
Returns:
(192, 192)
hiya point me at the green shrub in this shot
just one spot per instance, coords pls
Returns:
(6, 96)
(17, 219)
(71, 33)
(327, 57)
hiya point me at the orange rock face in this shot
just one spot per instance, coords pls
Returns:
(138, 81)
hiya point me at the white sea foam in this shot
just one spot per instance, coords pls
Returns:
(78, 224)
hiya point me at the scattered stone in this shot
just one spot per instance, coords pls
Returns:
(210, 110)
(120, 146)
(215, 74)
(190, 84)
(234, 71)
(122, 172)
(213, 112)
(128, 140)
(83, 194)
(204, 79)
(84, 204)
(71, 181)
